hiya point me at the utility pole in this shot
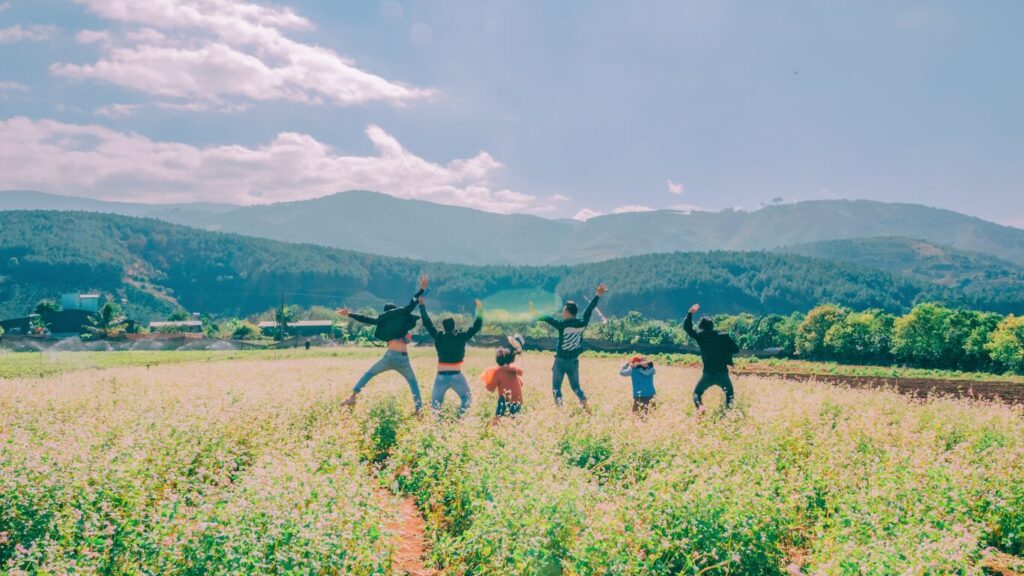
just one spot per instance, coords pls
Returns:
(280, 318)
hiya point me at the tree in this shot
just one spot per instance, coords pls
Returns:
(923, 337)
(976, 330)
(108, 323)
(46, 306)
(246, 331)
(860, 337)
(810, 336)
(178, 316)
(284, 316)
(1006, 345)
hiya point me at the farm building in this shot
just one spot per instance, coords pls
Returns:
(88, 302)
(187, 326)
(59, 324)
(300, 328)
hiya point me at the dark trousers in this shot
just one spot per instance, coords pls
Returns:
(566, 368)
(506, 408)
(643, 405)
(710, 379)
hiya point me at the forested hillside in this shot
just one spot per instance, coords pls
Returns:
(159, 267)
(978, 276)
(384, 225)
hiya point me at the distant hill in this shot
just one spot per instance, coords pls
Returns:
(977, 275)
(384, 225)
(158, 267)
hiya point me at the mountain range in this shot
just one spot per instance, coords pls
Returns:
(156, 268)
(380, 224)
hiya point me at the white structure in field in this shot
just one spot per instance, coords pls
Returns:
(87, 302)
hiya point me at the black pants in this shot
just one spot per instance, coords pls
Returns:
(642, 405)
(710, 379)
(506, 408)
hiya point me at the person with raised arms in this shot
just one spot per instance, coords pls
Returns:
(716, 351)
(450, 344)
(393, 327)
(570, 346)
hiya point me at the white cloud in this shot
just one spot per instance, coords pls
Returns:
(9, 87)
(686, 208)
(4, 6)
(675, 187)
(214, 50)
(29, 33)
(632, 208)
(203, 107)
(94, 161)
(560, 198)
(586, 214)
(114, 111)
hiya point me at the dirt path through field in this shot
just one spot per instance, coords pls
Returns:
(407, 530)
(1006, 392)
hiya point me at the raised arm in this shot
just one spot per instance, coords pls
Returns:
(688, 323)
(415, 301)
(626, 369)
(478, 323)
(426, 319)
(371, 320)
(601, 289)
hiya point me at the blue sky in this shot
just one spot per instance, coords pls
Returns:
(553, 108)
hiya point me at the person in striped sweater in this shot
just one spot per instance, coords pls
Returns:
(570, 346)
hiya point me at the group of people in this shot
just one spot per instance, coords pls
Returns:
(395, 325)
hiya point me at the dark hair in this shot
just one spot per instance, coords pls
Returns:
(448, 324)
(572, 307)
(504, 356)
(706, 324)
(389, 307)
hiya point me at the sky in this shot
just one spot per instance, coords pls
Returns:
(561, 109)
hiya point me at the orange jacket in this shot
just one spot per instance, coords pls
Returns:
(507, 380)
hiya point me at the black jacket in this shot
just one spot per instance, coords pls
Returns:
(570, 332)
(716, 348)
(393, 324)
(451, 346)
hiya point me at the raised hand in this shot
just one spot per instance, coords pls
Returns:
(342, 311)
(694, 308)
(424, 282)
(479, 304)
(422, 300)
(601, 289)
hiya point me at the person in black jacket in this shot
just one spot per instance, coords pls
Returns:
(570, 346)
(393, 327)
(716, 350)
(451, 351)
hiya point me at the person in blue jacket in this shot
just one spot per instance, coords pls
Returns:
(641, 371)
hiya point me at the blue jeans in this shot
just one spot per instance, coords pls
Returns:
(399, 363)
(566, 367)
(455, 381)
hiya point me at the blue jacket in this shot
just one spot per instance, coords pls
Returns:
(643, 380)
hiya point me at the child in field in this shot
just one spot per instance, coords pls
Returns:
(506, 379)
(641, 372)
